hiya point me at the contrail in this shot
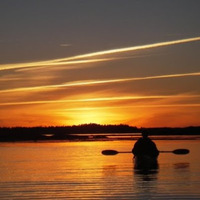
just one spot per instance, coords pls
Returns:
(99, 53)
(134, 48)
(47, 63)
(135, 106)
(95, 82)
(74, 64)
(118, 98)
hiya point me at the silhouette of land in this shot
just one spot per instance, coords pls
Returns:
(86, 132)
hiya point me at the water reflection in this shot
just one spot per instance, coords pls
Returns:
(145, 174)
(77, 170)
(109, 170)
(146, 169)
(145, 164)
(183, 165)
(145, 182)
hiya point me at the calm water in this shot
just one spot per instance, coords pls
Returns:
(77, 170)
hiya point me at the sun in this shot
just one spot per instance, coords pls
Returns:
(95, 115)
(86, 116)
(90, 116)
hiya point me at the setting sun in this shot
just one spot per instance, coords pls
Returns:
(90, 116)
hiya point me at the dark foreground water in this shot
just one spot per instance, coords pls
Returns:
(77, 170)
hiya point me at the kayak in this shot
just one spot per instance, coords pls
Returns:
(145, 162)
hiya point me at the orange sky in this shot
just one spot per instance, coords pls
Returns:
(107, 62)
(146, 85)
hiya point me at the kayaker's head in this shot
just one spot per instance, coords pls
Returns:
(145, 134)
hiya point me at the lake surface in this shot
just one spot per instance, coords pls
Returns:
(77, 170)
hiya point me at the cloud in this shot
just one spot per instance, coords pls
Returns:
(116, 98)
(65, 45)
(64, 61)
(70, 64)
(95, 82)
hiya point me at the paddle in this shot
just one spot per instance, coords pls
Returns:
(114, 152)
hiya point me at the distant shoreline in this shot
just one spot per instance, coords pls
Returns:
(93, 132)
(88, 139)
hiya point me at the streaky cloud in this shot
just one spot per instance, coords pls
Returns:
(135, 106)
(134, 48)
(40, 65)
(65, 45)
(68, 65)
(94, 54)
(95, 82)
(117, 98)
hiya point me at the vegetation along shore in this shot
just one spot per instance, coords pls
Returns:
(85, 131)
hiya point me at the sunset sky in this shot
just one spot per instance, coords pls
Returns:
(65, 62)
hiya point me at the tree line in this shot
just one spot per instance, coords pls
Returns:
(69, 132)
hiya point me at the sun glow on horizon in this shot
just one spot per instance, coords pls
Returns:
(62, 91)
(89, 116)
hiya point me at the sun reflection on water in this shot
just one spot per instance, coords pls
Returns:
(79, 170)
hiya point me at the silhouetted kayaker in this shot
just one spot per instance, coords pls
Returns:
(145, 147)
(145, 153)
